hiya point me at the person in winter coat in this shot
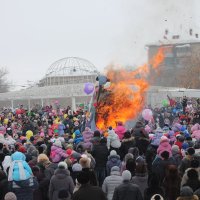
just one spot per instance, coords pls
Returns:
(100, 154)
(186, 161)
(46, 165)
(77, 136)
(3, 184)
(20, 177)
(57, 153)
(193, 165)
(141, 177)
(127, 190)
(111, 182)
(193, 180)
(96, 138)
(61, 183)
(160, 165)
(87, 191)
(126, 158)
(176, 154)
(153, 187)
(85, 164)
(164, 146)
(171, 183)
(113, 142)
(120, 130)
(186, 193)
(127, 142)
(87, 137)
(113, 160)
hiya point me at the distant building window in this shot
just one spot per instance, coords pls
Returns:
(183, 50)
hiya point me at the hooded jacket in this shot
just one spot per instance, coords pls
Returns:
(110, 183)
(58, 154)
(164, 146)
(87, 137)
(77, 137)
(113, 160)
(120, 130)
(60, 181)
(113, 140)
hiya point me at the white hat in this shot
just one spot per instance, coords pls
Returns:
(126, 175)
(113, 153)
(76, 167)
(63, 165)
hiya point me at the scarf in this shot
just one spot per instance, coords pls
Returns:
(22, 174)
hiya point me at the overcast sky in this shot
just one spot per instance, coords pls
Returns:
(35, 33)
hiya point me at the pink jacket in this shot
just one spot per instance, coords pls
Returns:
(196, 134)
(57, 154)
(164, 146)
(87, 136)
(120, 130)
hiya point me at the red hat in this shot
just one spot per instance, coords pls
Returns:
(22, 149)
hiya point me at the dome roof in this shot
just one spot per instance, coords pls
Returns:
(71, 66)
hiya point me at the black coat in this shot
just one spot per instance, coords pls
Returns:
(150, 191)
(88, 192)
(126, 145)
(91, 174)
(127, 191)
(100, 154)
(3, 187)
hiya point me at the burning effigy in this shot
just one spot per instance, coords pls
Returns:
(121, 94)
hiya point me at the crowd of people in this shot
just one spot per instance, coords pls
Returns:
(52, 154)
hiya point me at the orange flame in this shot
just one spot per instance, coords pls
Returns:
(127, 94)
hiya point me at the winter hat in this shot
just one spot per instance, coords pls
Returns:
(186, 191)
(57, 143)
(10, 196)
(126, 175)
(42, 158)
(164, 139)
(157, 197)
(128, 156)
(113, 153)
(22, 149)
(175, 149)
(62, 165)
(191, 151)
(76, 167)
(83, 177)
(84, 162)
(185, 145)
(69, 152)
(76, 155)
(194, 163)
(115, 169)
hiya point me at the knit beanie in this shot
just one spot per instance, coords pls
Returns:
(113, 153)
(186, 191)
(115, 169)
(191, 151)
(175, 149)
(10, 196)
(76, 167)
(126, 175)
(62, 165)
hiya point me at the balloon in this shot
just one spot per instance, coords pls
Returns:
(174, 110)
(165, 102)
(147, 114)
(89, 88)
(56, 102)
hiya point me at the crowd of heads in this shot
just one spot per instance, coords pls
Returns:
(51, 153)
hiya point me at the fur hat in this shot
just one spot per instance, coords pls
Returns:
(10, 196)
(57, 143)
(42, 158)
(126, 175)
(62, 165)
(113, 153)
(84, 162)
(76, 167)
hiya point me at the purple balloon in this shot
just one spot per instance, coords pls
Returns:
(89, 88)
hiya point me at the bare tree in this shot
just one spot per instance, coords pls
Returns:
(4, 84)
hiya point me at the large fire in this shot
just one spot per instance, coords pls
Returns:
(127, 93)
